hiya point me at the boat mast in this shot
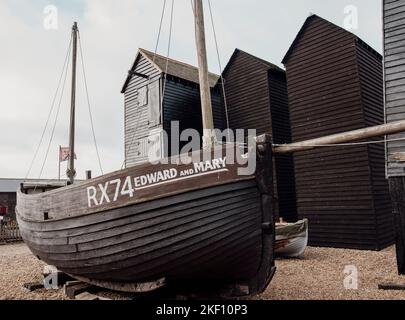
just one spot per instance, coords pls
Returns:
(209, 138)
(71, 172)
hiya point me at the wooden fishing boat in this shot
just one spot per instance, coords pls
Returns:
(131, 229)
(113, 231)
(291, 239)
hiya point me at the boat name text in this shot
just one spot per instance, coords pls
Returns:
(111, 191)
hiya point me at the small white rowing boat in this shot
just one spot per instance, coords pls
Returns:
(291, 239)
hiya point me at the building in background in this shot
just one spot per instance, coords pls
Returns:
(394, 48)
(8, 194)
(256, 95)
(158, 91)
(394, 69)
(335, 84)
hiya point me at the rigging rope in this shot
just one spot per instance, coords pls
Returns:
(167, 57)
(160, 30)
(55, 122)
(51, 109)
(220, 65)
(89, 106)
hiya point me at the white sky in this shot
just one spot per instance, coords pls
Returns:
(31, 59)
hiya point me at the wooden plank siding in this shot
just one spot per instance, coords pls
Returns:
(256, 94)
(181, 102)
(394, 62)
(135, 116)
(335, 85)
(370, 70)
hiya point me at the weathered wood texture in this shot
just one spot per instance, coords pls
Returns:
(397, 187)
(335, 85)
(394, 68)
(136, 116)
(182, 103)
(144, 119)
(107, 192)
(216, 226)
(205, 89)
(256, 93)
(197, 234)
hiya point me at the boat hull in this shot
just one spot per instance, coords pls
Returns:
(223, 233)
(191, 235)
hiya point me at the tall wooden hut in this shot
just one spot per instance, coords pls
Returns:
(394, 49)
(394, 70)
(158, 91)
(256, 95)
(335, 84)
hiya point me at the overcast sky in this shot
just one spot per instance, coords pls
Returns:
(31, 58)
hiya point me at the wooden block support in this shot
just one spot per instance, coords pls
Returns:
(33, 286)
(391, 286)
(397, 190)
(74, 288)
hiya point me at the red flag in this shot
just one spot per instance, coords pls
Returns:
(3, 210)
(64, 154)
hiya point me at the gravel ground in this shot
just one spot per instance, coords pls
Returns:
(319, 275)
(17, 267)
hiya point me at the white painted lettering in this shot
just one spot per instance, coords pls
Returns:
(127, 188)
(117, 183)
(91, 196)
(104, 195)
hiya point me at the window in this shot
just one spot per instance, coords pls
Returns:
(143, 96)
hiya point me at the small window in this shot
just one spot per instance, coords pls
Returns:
(143, 96)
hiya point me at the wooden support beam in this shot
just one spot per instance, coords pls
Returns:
(397, 190)
(137, 74)
(344, 137)
(74, 288)
(33, 286)
(391, 286)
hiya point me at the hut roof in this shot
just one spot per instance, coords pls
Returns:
(174, 68)
(266, 64)
(313, 17)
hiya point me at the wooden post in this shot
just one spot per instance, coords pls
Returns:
(397, 190)
(344, 137)
(71, 168)
(208, 122)
(264, 179)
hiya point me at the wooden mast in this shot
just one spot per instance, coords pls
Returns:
(71, 172)
(208, 122)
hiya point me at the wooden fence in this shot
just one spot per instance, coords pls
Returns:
(9, 232)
